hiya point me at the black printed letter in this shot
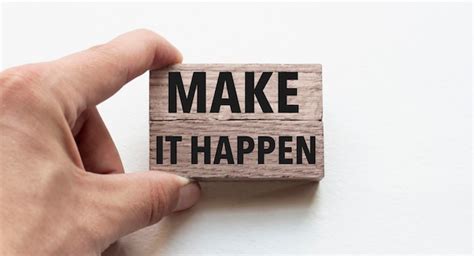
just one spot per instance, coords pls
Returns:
(225, 78)
(175, 83)
(284, 91)
(250, 91)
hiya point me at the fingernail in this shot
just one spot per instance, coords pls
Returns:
(188, 196)
(183, 180)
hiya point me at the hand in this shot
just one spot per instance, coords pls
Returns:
(63, 190)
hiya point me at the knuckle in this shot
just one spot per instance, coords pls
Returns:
(96, 47)
(146, 32)
(106, 55)
(28, 73)
(20, 85)
(160, 202)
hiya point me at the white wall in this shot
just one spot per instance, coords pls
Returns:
(397, 112)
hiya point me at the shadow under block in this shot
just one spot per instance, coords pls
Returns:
(230, 133)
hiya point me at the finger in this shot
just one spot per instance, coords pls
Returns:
(91, 76)
(128, 202)
(96, 147)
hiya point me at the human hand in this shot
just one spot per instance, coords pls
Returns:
(63, 190)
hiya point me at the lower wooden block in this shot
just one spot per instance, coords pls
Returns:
(297, 153)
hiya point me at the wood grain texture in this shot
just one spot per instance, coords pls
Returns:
(307, 122)
(271, 170)
(309, 97)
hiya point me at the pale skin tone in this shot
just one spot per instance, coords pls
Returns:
(63, 190)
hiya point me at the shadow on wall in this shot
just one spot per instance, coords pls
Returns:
(264, 196)
(261, 195)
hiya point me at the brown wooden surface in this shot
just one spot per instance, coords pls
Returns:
(250, 169)
(308, 122)
(309, 96)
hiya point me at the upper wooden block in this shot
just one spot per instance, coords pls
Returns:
(308, 98)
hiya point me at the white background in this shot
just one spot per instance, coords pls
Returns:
(397, 112)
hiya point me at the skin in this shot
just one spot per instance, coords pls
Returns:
(63, 190)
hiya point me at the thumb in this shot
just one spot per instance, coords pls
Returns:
(124, 203)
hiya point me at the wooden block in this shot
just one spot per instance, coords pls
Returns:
(223, 132)
(309, 98)
(249, 169)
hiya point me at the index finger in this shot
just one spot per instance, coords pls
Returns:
(91, 76)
